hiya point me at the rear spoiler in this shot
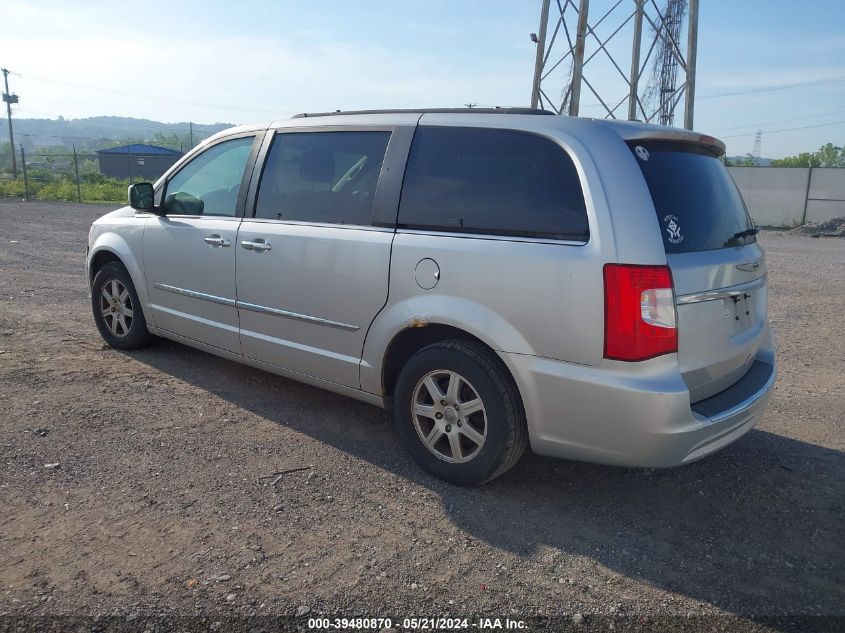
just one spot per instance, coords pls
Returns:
(673, 135)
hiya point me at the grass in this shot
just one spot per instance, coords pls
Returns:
(45, 186)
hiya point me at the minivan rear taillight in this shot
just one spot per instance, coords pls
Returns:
(639, 312)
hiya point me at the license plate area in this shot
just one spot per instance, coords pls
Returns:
(740, 312)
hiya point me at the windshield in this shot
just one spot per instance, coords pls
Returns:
(698, 205)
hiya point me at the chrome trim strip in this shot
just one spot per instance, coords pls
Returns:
(721, 293)
(195, 295)
(749, 267)
(253, 307)
(749, 402)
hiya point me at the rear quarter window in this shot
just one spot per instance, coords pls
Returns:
(491, 181)
(698, 206)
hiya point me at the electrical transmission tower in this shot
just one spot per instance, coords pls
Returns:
(758, 144)
(665, 73)
(571, 40)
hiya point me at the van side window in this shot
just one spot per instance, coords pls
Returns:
(322, 177)
(500, 182)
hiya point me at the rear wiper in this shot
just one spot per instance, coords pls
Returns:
(745, 233)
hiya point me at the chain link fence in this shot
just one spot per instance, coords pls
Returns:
(75, 176)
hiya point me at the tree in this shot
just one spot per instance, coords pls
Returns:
(744, 161)
(829, 155)
(180, 142)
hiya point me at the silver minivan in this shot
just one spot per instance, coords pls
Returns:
(499, 278)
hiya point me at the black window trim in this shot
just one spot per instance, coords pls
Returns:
(503, 235)
(258, 137)
(386, 199)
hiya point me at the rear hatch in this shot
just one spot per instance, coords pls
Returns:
(718, 269)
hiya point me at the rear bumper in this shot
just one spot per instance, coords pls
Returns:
(621, 415)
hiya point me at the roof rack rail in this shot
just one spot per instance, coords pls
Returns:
(496, 110)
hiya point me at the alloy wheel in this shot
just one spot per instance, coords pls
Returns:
(449, 416)
(116, 307)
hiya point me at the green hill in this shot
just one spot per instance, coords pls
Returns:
(108, 131)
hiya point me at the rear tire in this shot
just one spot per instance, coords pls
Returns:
(458, 413)
(117, 310)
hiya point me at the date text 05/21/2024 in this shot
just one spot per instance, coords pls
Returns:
(415, 624)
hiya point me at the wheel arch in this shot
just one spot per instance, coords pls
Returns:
(409, 340)
(99, 259)
(426, 319)
(110, 247)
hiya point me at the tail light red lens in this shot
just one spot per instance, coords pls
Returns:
(639, 312)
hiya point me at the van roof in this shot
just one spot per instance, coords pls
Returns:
(493, 110)
(628, 130)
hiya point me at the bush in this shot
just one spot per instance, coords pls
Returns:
(93, 188)
(109, 190)
(11, 188)
(63, 189)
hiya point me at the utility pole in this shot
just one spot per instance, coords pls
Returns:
(10, 99)
(191, 128)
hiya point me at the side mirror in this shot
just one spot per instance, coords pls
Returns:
(183, 203)
(141, 196)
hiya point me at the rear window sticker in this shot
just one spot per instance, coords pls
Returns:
(673, 229)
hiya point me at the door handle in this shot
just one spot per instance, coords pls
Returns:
(216, 240)
(256, 245)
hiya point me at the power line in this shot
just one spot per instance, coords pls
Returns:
(787, 129)
(775, 87)
(772, 88)
(758, 124)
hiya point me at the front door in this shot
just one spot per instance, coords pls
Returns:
(189, 253)
(312, 270)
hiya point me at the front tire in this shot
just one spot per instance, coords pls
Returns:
(117, 310)
(458, 412)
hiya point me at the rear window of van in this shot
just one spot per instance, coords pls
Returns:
(698, 206)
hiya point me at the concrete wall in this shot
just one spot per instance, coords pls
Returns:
(827, 194)
(780, 196)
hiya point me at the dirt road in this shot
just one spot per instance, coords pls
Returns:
(156, 502)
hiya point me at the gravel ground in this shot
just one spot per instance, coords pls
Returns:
(156, 503)
(834, 227)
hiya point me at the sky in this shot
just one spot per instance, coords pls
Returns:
(250, 61)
